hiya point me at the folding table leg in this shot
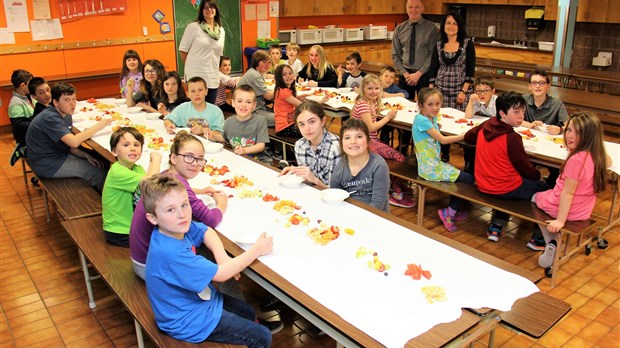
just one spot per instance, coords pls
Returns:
(87, 279)
(47, 207)
(139, 335)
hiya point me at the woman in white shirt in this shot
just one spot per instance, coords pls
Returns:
(202, 45)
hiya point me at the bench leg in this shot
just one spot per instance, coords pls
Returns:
(139, 335)
(24, 172)
(87, 279)
(47, 207)
(421, 199)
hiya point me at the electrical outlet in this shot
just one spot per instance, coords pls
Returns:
(145, 31)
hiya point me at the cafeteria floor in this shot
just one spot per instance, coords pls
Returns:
(43, 301)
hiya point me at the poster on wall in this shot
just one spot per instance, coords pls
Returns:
(73, 10)
(16, 14)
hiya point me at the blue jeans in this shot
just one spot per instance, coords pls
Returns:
(524, 192)
(237, 326)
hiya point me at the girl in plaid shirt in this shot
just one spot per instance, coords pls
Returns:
(318, 152)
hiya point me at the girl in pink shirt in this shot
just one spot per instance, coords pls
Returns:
(582, 176)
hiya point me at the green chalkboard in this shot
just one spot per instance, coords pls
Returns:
(186, 11)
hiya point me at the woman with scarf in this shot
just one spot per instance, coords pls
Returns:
(202, 45)
(453, 64)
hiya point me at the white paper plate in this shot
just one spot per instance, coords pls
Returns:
(246, 237)
(120, 101)
(213, 147)
(334, 196)
(290, 181)
(529, 148)
(134, 110)
(153, 116)
(207, 200)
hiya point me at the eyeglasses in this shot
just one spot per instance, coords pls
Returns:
(150, 71)
(189, 159)
(483, 91)
(538, 83)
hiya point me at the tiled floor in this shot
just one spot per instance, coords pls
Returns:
(43, 298)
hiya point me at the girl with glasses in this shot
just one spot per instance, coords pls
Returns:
(148, 96)
(187, 157)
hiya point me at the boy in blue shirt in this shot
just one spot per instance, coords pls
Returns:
(201, 117)
(388, 76)
(179, 283)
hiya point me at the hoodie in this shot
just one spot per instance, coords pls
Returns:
(501, 161)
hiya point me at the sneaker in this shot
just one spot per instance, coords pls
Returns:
(448, 221)
(399, 200)
(546, 258)
(268, 303)
(495, 232)
(17, 154)
(273, 326)
(461, 216)
(536, 244)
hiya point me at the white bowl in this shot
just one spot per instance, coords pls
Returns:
(153, 116)
(334, 196)
(134, 110)
(120, 101)
(290, 180)
(213, 147)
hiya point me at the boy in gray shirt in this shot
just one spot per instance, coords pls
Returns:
(246, 132)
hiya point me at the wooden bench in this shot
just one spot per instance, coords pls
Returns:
(581, 230)
(73, 197)
(114, 267)
(284, 141)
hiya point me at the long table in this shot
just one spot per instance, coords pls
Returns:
(363, 307)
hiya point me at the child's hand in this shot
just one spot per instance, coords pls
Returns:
(263, 245)
(340, 70)
(161, 108)
(239, 150)
(170, 127)
(130, 85)
(104, 123)
(301, 171)
(312, 83)
(391, 114)
(300, 80)
(197, 129)
(218, 196)
(92, 160)
(554, 130)
(325, 98)
(537, 124)
(356, 90)
(207, 133)
(554, 226)
(474, 98)
(155, 156)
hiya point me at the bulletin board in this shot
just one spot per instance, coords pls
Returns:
(256, 16)
(186, 12)
(92, 44)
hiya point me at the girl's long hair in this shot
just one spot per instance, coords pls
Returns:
(323, 63)
(280, 84)
(369, 78)
(589, 131)
(181, 95)
(156, 88)
(130, 54)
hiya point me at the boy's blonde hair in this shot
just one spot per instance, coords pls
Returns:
(293, 46)
(244, 88)
(157, 187)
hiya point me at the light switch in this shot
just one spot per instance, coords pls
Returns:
(145, 31)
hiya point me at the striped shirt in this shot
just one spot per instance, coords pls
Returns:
(226, 82)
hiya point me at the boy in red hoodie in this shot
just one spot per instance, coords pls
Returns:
(502, 168)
